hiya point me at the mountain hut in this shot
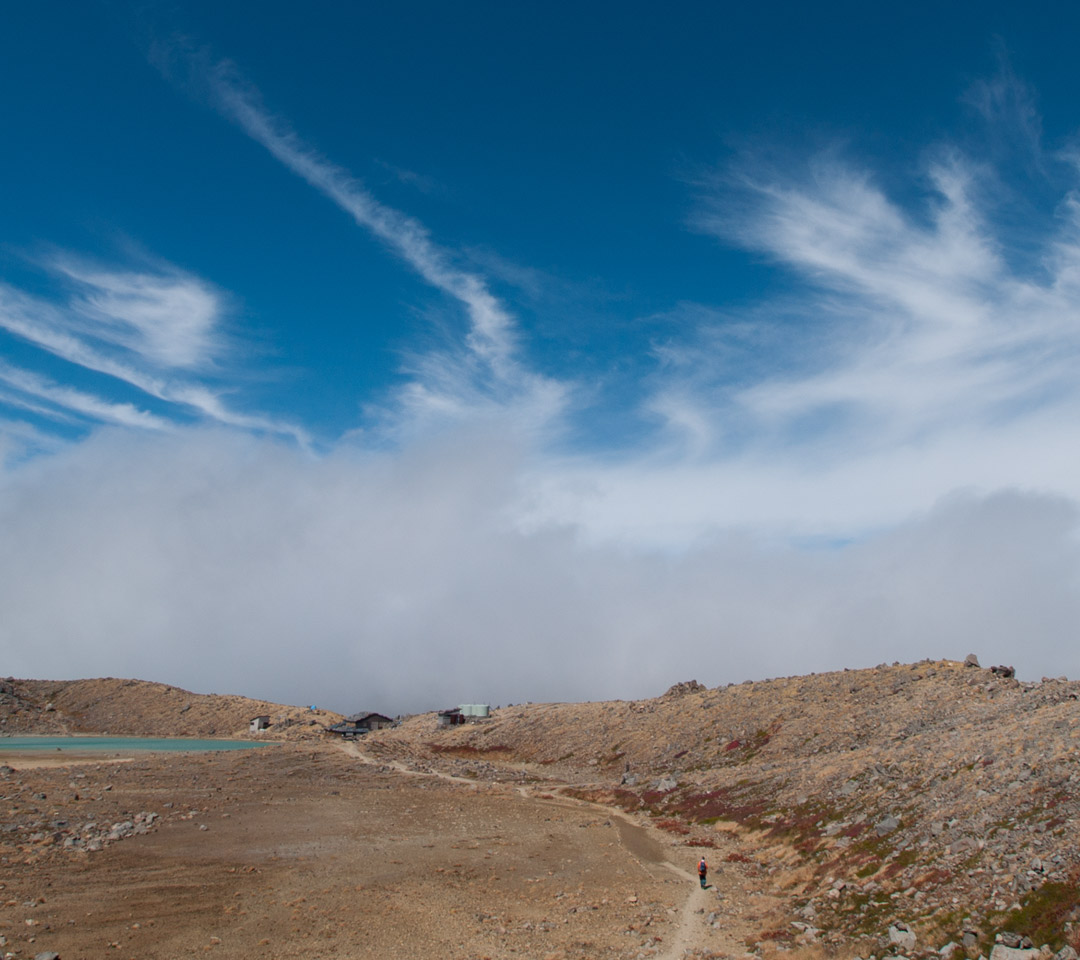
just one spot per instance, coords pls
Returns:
(360, 723)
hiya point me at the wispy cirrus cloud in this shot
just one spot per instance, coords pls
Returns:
(17, 401)
(912, 324)
(158, 333)
(78, 401)
(171, 320)
(926, 340)
(487, 377)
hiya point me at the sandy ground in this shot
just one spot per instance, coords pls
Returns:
(301, 851)
(24, 760)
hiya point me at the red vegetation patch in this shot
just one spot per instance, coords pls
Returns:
(800, 827)
(673, 826)
(466, 749)
(717, 805)
(893, 869)
(779, 934)
(700, 842)
(934, 877)
(738, 858)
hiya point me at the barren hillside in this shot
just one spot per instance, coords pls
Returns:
(937, 793)
(937, 796)
(140, 708)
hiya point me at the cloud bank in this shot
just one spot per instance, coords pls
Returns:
(881, 466)
(401, 582)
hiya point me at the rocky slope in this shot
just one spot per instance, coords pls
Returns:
(140, 708)
(939, 795)
(910, 805)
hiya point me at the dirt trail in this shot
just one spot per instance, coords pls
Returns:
(353, 750)
(690, 929)
(688, 932)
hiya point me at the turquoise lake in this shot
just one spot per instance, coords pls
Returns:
(123, 744)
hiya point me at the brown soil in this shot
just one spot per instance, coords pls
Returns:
(299, 851)
(937, 794)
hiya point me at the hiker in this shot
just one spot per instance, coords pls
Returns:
(702, 870)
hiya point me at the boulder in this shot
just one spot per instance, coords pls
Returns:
(901, 937)
(971, 660)
(682, 689)
(1002, 952)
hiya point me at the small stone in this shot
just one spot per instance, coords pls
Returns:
(886, 826)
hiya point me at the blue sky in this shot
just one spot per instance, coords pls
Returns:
(713, 339)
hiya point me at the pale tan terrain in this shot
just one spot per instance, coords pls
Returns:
(141, 709)
(935, 795)
(295, 851)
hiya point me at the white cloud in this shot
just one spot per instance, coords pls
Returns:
(78, 401)
(18, 439)
(170, 320)
(20, 402)
(930, 327)
(798, 511)
(484, 379)
(402, 581)
(150, 332)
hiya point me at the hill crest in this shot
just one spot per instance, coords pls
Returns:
(935, 794)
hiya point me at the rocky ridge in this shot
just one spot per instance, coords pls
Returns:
(936, 798)
(900, 811)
